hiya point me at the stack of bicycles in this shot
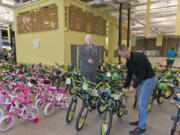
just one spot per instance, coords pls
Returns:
(96, 97)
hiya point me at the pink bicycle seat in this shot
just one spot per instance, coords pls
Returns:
(62, 91)
(52, 88)
(26, 102)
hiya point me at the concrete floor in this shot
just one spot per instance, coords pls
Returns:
(159, 123)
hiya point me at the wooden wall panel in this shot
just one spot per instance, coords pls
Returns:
(151, 45)
(37, 20)
(86, 22)
(48, 18)
(24, 23)
(75, 19)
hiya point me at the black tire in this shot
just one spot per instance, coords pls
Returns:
(121, 112)
(105, 122)
(171, 92)
(99, 105)
(79, 123)
(71, 111)
(173, 130)
(72, 90)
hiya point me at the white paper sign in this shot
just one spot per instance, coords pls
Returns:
(35, 43)
(108, 74)
(85, 86)
(68, 81)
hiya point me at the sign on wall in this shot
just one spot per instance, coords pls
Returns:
(159, 40)
(35, 43)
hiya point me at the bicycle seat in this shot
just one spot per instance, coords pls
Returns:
(62, 91)
(52, 88)
(26, 102)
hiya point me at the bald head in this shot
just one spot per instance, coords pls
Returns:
(88, 39)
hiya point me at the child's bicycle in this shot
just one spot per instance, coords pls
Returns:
(56, 98)
(20, 107)
(116, 104)
(90, 97)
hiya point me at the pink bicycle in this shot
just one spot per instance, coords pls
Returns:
(56, 99)
(19, 107)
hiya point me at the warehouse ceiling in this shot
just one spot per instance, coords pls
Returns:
(162, 13)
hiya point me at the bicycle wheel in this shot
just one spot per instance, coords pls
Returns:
(65, 102)
(39, 104)
(71, 111)
(101, 107)
(30, 115)
(49, 109)
(169, 93)
(6, 123)
(82, 117)
(121, 112)
(106, 123)
(72, 90)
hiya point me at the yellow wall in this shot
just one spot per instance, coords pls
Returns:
(51, 42)
(55, 44)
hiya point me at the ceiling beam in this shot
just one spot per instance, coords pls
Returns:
(159, 8)
(6, 5)
(156, 16)
(152, 3)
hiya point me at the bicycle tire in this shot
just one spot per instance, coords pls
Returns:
(73, 102)
(169, 95)
(104, 125)
(83, 108)
(99, 104)
(173, 130)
